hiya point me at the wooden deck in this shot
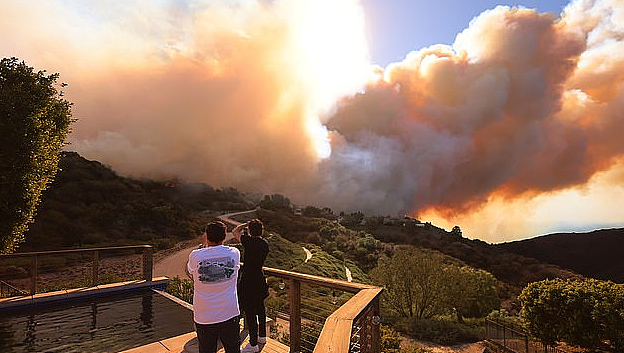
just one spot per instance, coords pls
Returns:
(187, 343)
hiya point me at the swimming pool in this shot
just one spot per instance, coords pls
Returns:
(105, 323)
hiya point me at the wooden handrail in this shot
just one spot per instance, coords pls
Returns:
(26, 254)
(337, 284)
(336, 333)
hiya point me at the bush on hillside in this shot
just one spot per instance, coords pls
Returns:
(444, 331)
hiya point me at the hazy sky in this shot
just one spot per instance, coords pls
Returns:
(396, 27)
(505, 121)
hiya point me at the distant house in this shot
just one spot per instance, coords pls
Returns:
(391, 221)
(409, 221)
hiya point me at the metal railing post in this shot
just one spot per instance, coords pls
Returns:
(148, 262)
(376, 321)
(294, 293)
(33, 275)
(95, 268)
(365, 333)
(504, 336)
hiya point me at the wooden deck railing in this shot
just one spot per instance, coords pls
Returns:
(353, 327)
(30, 262)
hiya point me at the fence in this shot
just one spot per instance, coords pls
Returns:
(515, 339)
(43, 271)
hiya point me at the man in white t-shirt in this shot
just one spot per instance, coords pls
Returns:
(215, 305)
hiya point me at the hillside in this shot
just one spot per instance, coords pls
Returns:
(364, 244)
(508, 267)
(89, 204)
(596, 254)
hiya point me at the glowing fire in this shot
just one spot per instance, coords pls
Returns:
(329, 55)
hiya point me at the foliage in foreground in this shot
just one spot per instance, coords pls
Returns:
(587, 313)
(34, 123)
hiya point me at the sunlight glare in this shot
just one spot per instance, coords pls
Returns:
(330, 57)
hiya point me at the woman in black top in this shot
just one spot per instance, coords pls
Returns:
(252, 287)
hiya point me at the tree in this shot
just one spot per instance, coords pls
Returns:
(542, 303)
(586, 313)
(311, 211)
(34, 121)
(472, 292)
(412, 281)
(276, 202)
(420, 283)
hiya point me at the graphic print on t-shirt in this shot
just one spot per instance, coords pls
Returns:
(216, 270)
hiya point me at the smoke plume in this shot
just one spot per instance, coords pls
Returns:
(524, 109)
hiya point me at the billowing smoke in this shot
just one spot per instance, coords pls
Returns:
(521, 105)
(523, 109)
(223, 92)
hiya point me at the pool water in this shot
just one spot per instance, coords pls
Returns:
(110, 323)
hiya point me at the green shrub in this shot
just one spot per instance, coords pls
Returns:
(503, 316)
(586, 313)
(181, 288)
(390, 340)
(438, 330)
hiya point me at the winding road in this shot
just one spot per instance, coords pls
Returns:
(173, 265)
(308, 254)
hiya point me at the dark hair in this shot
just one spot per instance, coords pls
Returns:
(216, 231)
(255, 227)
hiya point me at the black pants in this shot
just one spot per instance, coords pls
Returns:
(227, 331)
(255, 315)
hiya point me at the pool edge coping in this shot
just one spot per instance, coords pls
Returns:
(79, 292)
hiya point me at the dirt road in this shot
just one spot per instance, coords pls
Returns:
(348, 274)
(173, 265)
(308, 254)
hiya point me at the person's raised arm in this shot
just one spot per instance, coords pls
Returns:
(238, 230)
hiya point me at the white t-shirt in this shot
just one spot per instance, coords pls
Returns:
(215, 272)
